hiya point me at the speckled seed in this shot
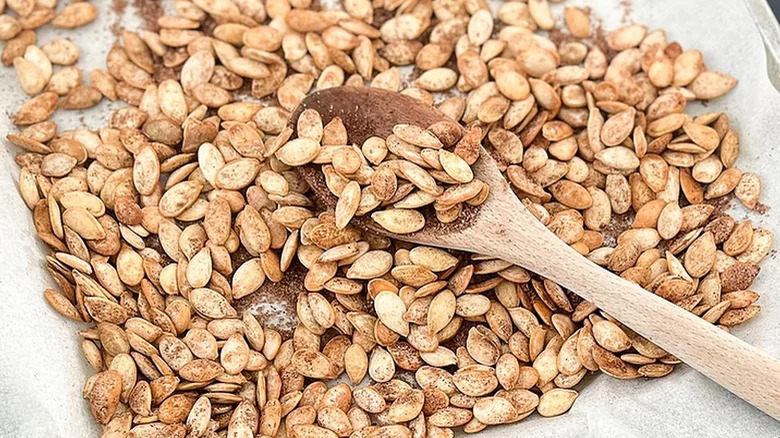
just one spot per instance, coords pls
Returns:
(556, 402)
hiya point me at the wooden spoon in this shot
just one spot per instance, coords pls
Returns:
(502, 227)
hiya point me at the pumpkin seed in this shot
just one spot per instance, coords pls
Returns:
(579, 136)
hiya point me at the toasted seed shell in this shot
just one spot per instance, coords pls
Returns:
(399, 221)
(556, 402)
(103, 395)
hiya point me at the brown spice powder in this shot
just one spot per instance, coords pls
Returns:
(617, 225)
(627, 6)
(119, 7)
(149, 11)
(761, 208)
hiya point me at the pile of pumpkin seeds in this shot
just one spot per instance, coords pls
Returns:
(417, 155)
(188, 202)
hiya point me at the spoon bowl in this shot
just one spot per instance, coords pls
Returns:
(352, 104)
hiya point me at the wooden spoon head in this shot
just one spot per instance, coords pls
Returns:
(368, 112)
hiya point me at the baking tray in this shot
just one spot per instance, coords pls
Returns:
(42, 369)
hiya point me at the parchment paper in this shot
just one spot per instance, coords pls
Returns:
(42, 369)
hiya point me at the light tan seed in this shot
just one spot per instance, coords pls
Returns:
(311, 363)
(211, 303)
(37, 109)
(381, 366)
(83, 223)
(298, 152)
(748, 190)
(62, 305)
(400, 221)
(369, 399)
(610, 336)
(406, 407)
(348, 203)
(178, 198)
(441, 311)
(475, 381)
(556, 402)
(456, 167)
(75, 15)
(577, 21)
(494, 410)
(417, 136)
(711, 84)
(390, 310)
(355, 363)
(234, 355)
(759, 247)
(103, 395)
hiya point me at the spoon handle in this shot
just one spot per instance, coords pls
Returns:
(743, 369)
(746, 371)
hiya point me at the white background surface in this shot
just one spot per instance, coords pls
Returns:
(42, 368)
